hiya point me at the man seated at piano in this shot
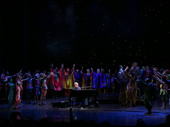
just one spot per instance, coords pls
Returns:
(78, 99)
(76, 86)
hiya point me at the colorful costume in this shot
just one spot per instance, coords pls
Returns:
(29, 89)
(62, 80)
(163, 86)
(69, 82)
(44, 89)
(17, 96)
(88, 80)
(55, 83)
(131, 90)
(37, 91)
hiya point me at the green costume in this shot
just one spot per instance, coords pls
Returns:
(147, 96)
(11, 92)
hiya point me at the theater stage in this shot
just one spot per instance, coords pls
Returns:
(108, 110)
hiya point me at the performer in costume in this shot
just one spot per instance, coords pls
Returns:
(62, 79)
(36, 88)
(44, 89)
(97, 79)
(19, 79)
(17, 94)
(161, 78)
(54, 82)
(77, 77)
(108, 82)
(104, 79)
(11, 87)
(82, 78)
(4, 90)
(29, 87)
(148, 73)
(147, 94)
(88, 79)
(131, 86)
(113, 83)
(122, 82)
(69, 81)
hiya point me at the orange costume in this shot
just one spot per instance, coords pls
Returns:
(17, 96)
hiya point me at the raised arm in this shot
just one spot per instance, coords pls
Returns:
(127, 74)
(157, 76)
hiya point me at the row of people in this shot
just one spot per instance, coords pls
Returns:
(61, 79)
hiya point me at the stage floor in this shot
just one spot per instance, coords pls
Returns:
(115, 114)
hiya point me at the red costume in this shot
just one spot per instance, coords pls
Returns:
(17, 96)
(54, 82)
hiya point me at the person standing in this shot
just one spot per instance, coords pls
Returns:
(161, 78)
(147, 88)
(44, 89)
(17, 95)
(69, 81)
(11, 92)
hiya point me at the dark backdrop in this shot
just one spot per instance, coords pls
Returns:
(92, 33)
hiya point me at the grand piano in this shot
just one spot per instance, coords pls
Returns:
(82, 95)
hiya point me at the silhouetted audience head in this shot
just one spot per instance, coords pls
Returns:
(15, 116)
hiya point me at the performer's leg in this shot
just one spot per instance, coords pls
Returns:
(37, 99)
(164, 101)
(148, 106)
(10, 98)
(65, 92)
(30, 93)
(34, 99)
(68, 93)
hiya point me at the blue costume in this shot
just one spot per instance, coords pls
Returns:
(77, 77)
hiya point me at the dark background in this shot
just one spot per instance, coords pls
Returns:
(92, 33)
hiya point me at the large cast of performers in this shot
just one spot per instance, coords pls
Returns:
(129, 82)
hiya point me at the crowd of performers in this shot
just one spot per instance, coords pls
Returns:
(130, 82)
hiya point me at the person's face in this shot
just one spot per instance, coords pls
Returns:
(77, 70)
(98, 70)
(76, 85)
